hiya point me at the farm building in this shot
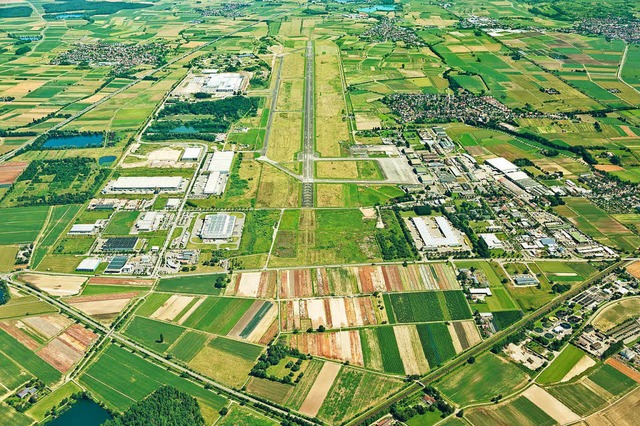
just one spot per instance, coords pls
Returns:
(217, 227)
(83, 229)
(224, 82)
(192, 153)
(146, 184)
(216, 182)
(88, 265)
(221, 162)
(525, 280)
(440, 235)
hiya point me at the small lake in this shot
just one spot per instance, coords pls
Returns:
(184, 129)
(80, 141)
(378, 8)
(84, 412)
(107, 159)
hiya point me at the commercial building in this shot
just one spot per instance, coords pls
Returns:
(502, 165)
(83, 229)
(221, 161)
(192, 153)
(217, 227)
(146, 184)
(216, 182)
(120, 244)
(172, 203)
(224, 82)
(116, 265)
(149, 221)
(442, 235)
(88, 265)
(493, 242)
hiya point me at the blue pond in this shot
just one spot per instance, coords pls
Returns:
(378, 8)
(107, 159)
(84, 412)
(184, 129)
(81, 141)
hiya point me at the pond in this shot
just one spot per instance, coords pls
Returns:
(107, 159)
(378, 8)
(83, 412)
(80, 141)
(184, 129)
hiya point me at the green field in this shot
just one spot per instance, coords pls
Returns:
(119, 379)
(156, 335)
(243, 416)
(28, 360)
(21, 225)
(612, 380)
(427, 306)
(121, 223)
(561, 365)
(520, 411)
(218, 315)
(436, 343)
(188, 345)
(489, 376)
(194, 284)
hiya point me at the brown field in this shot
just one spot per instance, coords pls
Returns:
(413, 358)
(15, 331)
(67, 349)
(9, 172)
(171, 308)
(296, 283)
(624, 369)
(335, 312)
(120, 281)
(47, 326)
(55, 285)
(465, 333)
(623, 413)
(254, 284)
(634, 269)
(320, 389)
(270, 334)
(546, 402)
(103, 306)
(341, 345)
(628, 131)
(608, 168)
(585, 363)
(191, 310)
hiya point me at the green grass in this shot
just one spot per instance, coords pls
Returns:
(148, 332)
(427, 306)
(302, 389)
(120, 378)
(513, 412)
(353, 391)
(21, 225)
(27, 359)
(152, 303)
(11, 375)
(244, 416)
(188, 345)
(194, 284)
(612, 380)
(489, 376)
(218, 314)
(40, 410)
(20, 306)
(436, 343)
(96, 289)
(11, 417)
(503, 319)
(391, 359)
(578, 397)
(246, 351)
(561, 365)
(121, 223)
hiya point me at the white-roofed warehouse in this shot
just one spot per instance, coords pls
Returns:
(146, 184)
(191, 153)
(502, 165)
(221, 162)
(217, 227)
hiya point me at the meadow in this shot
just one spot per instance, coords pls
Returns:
(426, 306)
(194, 284)
(21, 225)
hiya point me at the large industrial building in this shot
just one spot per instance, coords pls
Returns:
(191, 153)
(145, 184)
(216, 182)
(224, 82)
(502, 165)
(83, 229)
(217, 227)
(221, 161)
(442, 235)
